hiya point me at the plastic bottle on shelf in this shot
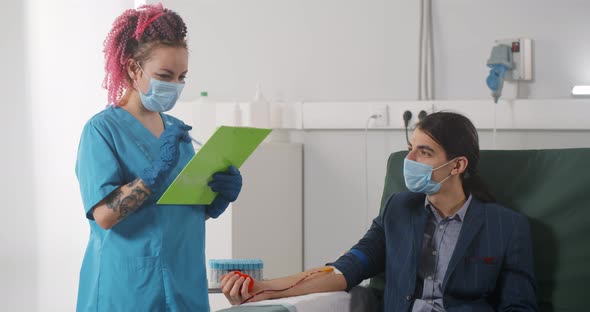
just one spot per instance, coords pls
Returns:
(276, 112)
(237, 114)
(259, 110)
(207, 116)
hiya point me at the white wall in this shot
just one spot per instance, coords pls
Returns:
(65, 72)
(464, 31)
(18, 247)
(304, 50)
(368, 50)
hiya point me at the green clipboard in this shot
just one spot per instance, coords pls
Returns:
(227, 146)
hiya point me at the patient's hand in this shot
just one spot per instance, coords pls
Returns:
(235, 288)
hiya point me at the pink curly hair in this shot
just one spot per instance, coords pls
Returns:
(134, 35)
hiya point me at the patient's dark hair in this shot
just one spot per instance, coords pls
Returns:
(458, 137)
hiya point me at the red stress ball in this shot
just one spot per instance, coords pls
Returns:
(246, 276)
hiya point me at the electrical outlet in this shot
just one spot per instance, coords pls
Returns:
(382, 112)
(422, 114)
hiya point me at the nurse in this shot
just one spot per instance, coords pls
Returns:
(142, 256)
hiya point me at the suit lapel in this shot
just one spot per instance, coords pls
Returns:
(474, 219)
(419, 218)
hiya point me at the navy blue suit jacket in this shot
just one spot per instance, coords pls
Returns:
(491, 268)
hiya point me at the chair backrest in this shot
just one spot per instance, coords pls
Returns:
(552, 188)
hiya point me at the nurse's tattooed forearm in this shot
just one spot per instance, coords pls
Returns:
(120, 203)
(113, 200)
(125, 200)
(132, 201)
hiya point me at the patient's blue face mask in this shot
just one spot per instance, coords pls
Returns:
(418, 177)
(161, 96)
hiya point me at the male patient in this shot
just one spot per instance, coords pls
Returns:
(444, 246)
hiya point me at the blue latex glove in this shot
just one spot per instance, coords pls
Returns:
(227, 185)
(169, 142)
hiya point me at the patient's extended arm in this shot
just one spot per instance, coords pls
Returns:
(364, 260)
(321, 279)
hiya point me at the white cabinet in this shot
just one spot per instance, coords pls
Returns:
(267, 217)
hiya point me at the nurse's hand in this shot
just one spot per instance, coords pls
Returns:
(227, 185)
(169, 152)
(169, 141)
(235, 289)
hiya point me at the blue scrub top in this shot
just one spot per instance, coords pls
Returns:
(153, 260)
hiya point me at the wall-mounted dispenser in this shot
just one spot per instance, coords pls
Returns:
(510, 60)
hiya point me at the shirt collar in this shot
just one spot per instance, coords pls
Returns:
(460, 215)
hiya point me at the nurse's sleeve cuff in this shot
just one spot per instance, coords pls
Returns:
(96, 197)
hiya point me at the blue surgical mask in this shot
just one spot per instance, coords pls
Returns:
(161, 96)
(418, 177)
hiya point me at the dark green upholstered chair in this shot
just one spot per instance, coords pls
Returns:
(552, 188)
